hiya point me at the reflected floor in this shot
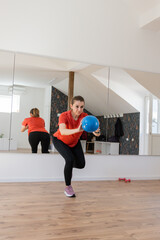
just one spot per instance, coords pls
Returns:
(24, 150)
(28, 150)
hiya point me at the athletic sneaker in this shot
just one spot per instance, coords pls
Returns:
(69, 191)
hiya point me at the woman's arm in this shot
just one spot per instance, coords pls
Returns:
(24, 128)
(64, 131)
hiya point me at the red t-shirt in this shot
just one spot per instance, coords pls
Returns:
(66, 117)
(35, 124)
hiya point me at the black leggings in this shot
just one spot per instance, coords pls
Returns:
(74, 157)
(36, 137)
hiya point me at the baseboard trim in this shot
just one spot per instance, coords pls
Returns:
(75, 179)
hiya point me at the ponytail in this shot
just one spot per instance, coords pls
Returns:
(35, 112)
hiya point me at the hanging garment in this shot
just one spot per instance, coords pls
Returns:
(119, 128)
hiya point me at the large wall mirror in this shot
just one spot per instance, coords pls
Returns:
(111, 94)
(6, 99)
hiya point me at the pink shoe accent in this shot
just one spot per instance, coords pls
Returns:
(69, 191)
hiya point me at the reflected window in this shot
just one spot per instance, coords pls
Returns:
(156, 116)
(6, 103)
(147, 111)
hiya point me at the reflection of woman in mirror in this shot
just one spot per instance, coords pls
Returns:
(66, 140)
(36, 131)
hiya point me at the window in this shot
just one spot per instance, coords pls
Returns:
(156, 115)
(147, 111)
(6, 103)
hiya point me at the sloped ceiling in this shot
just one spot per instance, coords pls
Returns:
(151, 81)
(148, 13)
(37, 71)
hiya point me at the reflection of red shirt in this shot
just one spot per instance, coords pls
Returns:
(35, 124)
(66, 117)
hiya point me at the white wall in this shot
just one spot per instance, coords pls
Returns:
(5, 124)
(49, 167)
(104, 32)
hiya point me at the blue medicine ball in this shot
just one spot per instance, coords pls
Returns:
(90, 123)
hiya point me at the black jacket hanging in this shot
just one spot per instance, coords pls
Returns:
(119, 128)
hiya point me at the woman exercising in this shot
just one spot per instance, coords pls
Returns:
(36, 131)
(66, 140)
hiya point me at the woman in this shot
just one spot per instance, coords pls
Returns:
(66, 140)
(36, 131)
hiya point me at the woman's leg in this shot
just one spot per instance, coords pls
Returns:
(34, 141)
(45, 141)
(69, 157)
(74, 157)
(79, 161)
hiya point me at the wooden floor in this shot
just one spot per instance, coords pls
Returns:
(105, 210)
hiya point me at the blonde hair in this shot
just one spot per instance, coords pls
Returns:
(35, 112)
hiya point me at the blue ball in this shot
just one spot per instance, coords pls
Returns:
(90, 123)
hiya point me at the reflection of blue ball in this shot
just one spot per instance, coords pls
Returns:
(90, 123)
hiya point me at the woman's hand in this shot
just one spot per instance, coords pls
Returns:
(65, 131)
(24, 128)
(97, 133)
(80, 129)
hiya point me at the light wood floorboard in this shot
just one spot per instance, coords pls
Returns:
(102, 210)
